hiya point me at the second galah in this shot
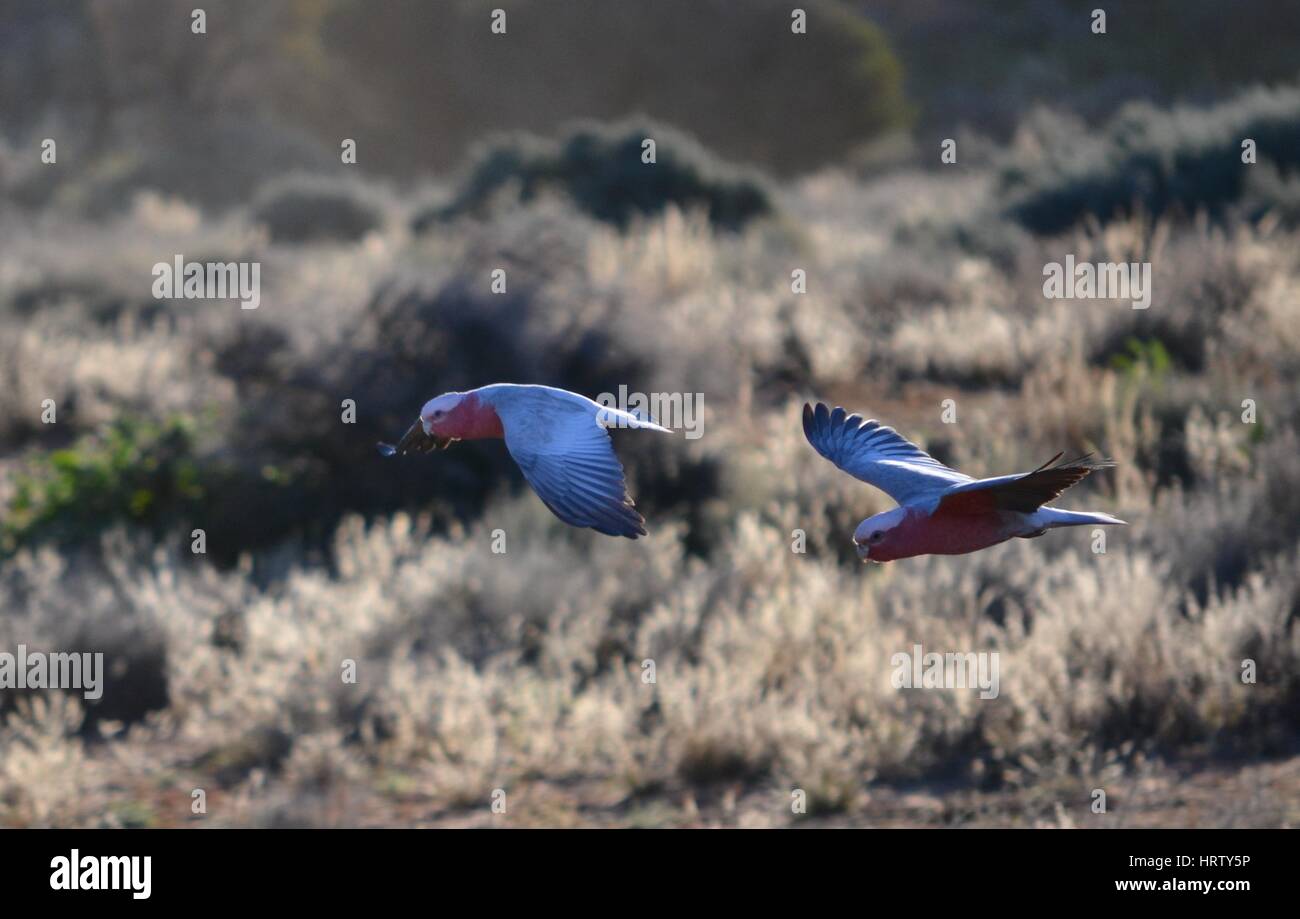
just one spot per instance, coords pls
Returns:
(557, 437)
(941, 511)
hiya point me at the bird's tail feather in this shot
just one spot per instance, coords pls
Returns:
(1054, 517)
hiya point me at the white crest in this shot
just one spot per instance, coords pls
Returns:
(445, 403)
(884, 521)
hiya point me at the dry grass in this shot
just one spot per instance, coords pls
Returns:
(523, 671)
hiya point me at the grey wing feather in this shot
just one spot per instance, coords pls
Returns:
(568, 459)
(878, 455)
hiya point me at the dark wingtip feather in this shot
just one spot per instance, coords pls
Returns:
(821, 421)
(1049, 462)
(631, 523)
(628, 529)
(1087, 461)
(815, 422)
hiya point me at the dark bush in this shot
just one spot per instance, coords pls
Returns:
(303, 209)
(601, 169)
(288, 454)
(436, 79)
(1157, 162)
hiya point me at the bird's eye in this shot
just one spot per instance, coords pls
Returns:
(876, 536)
(438, 414)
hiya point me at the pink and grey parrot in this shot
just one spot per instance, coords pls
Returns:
(941, 511)
(558, 438)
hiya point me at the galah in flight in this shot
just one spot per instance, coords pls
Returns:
(557, 437)
(941, 511)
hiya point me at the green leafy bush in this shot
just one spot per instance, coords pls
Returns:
(136, 471)
(1142, 359)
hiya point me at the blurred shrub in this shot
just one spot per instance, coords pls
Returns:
(1142, 359)
(134, 108)
(1033, 53)
(601, 169)
(137, 471)
(215, 160)
(744, 84)
(409, 343)
(1180, 161)
(302, 208)
(418, 84)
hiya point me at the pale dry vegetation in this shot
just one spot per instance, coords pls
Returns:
(523, 671)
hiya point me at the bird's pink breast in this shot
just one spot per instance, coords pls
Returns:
(922, 534)
(475, 419)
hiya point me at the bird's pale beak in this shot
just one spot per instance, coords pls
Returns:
(415, 440)
(863, 551)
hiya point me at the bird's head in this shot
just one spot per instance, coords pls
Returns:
(435, 429)
(874, 537)
(440, 417)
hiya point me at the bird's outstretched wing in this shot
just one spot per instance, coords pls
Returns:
(1025, 492)
(567, 457)
(878, 455)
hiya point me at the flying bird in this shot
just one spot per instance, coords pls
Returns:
(558, 438)
(941, 511)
